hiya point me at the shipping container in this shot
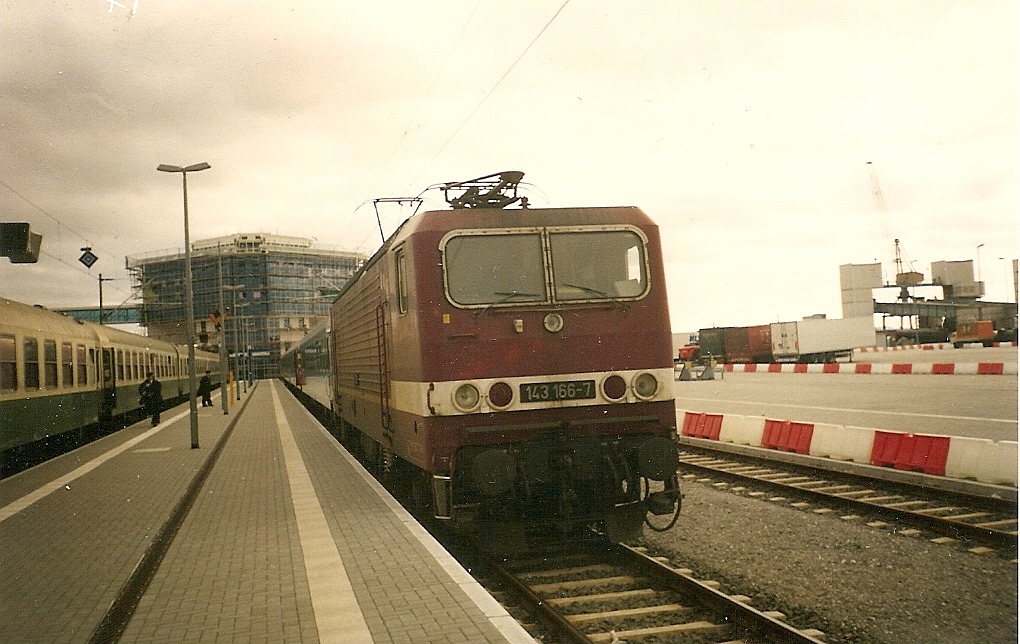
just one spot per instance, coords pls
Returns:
(713, 343)
(748, 344)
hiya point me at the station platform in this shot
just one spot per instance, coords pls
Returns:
(268, 532)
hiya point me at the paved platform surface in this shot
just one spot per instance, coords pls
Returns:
(278, 536)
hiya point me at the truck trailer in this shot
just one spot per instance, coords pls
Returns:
(820, 339)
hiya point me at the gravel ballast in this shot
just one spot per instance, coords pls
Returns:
(855, 582)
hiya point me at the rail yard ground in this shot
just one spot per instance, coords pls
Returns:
(857, 583)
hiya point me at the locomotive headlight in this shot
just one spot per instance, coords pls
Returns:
(466, 397)
(645, 386)
(553, 323)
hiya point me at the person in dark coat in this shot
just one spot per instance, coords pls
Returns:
(150, 392)
(205, 389)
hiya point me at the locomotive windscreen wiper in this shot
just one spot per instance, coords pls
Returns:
(589, 289)
(595, 291)
(506, 297)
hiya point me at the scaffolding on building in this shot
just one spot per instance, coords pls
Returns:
(276, 288)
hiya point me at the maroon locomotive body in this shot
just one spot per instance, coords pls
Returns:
(514, 364)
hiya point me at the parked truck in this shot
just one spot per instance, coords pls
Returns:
(809, 340)
(982, 331)
(820, 339)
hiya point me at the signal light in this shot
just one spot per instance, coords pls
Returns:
(614, 387)
(500, 395)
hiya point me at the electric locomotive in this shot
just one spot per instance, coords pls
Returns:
(514, 365)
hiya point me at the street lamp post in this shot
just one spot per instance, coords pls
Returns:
(188, 294)
(233, 288)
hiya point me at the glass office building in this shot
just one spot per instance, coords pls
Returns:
(275, 288)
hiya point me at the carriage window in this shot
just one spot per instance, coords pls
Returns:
(67, 364)
(83, 369)
(598, 265)
(50, 363)
(120, 364)
(494, 269)
(8, 363)
(31, 348)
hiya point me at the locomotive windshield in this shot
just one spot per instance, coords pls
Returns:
(485, 268)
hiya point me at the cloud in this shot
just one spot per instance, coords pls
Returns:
(743, 129)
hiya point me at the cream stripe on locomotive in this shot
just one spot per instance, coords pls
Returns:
(484, 395)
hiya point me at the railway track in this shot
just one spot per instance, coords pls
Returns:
(612, 593)
(986, 523)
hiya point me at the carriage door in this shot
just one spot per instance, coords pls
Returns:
(109, 384)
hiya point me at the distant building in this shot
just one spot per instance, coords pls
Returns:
(275, 289)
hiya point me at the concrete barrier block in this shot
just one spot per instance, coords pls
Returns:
(983, 460)
(742, 430)
(843, 443)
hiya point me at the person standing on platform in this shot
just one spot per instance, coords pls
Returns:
(205, 389)
(150, 393)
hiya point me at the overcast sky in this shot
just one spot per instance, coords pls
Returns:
(743, 128)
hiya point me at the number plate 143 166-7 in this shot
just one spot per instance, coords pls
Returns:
(563, 390)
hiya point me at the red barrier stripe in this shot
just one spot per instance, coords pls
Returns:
(700, 425)
(830, 367)
(990, 368)
(902, 368)
(770, 437)
(800, 368)
(750, 368)
(862, 367)
(885, 447)
(690, 423)
(775, 367)
(943, 368)
(926, 454)
(788, 436)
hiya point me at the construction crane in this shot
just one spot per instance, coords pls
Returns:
(904, 278)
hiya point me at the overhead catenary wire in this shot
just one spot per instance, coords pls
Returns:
(61, 225)
(494, 87)
(470, 115)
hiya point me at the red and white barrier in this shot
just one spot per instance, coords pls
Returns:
(921, 368)
(983, 460)
(939, 346)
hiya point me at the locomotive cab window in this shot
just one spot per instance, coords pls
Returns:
(583, 264)
(494, 269)
(598, 265)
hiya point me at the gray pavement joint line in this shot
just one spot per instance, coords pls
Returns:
(118, 615)
(338, 617)
(509, 627)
